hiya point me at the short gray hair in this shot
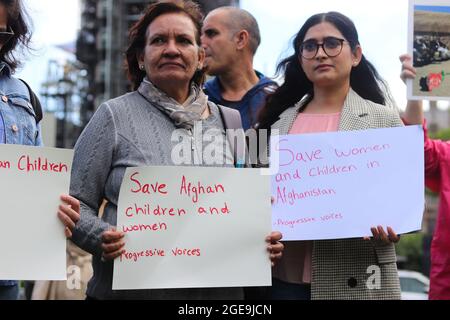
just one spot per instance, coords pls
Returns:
(240, 19)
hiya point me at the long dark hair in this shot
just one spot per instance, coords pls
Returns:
(364, 78)
(18, 22)
(137, 36)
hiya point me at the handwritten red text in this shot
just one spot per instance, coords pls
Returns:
(194, 190)
(214, 210)
(304, 156)
(359, 151)
(160, 226)
(290, 197)
(147, 188)
(147, 210)
(330, 170)
(5, 165)
(27, 164)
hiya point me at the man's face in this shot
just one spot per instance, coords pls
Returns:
(218, 42)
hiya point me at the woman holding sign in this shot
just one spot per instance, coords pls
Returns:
(437, 178)
(19, 122)
(164, 62)
(330, 86)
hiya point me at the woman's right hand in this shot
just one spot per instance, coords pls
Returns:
(112, 244)
(69, 214)
(408, 70)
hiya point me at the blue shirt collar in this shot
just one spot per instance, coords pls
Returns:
(214, 88)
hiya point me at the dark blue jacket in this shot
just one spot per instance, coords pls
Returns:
(250, 104)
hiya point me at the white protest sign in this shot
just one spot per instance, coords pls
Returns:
(340, 184)
(32, 240)
(191, 227)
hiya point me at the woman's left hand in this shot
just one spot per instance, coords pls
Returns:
(275, 247)
(380, 235)
(69, 214)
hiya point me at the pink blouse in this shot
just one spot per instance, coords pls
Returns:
(295, 266)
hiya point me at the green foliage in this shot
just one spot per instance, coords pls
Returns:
(441, 135)
(411, 247)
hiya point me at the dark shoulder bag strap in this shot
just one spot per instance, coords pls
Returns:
(236, 136)
(34, 102)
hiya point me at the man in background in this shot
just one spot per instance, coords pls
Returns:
(230, 37)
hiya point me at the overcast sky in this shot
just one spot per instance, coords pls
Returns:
(381, 24)
(54, 22)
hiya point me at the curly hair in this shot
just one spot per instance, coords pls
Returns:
(18, 21)
(137, 35)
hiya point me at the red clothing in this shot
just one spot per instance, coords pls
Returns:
(437, 178)
(295, 267)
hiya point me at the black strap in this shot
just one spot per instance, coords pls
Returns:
(232, 120)
(34, 100)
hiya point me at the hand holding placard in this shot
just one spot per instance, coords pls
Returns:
(39, 175)
(69, 214)
(203, 219)
(341, 184)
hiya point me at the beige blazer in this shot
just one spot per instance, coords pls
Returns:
(347, 268)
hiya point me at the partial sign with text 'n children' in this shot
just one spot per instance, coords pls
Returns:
(193, 227)
(340, 184)
(32, 240)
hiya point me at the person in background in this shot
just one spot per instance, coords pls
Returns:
(18, 120)
(437, 178)
(230, 37)
(165, 67)
(79, 271)
(330, 86)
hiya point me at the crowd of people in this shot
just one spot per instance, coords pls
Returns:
(328, 85)
(429, 49)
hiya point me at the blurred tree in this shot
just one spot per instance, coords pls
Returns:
(411, 247)
(441, 135)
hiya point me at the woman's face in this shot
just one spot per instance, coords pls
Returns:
(323, 70)
(171, 55)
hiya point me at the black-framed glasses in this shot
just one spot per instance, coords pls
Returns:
(332, 47)
(6, 35)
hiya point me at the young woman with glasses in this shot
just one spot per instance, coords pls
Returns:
(330, 86)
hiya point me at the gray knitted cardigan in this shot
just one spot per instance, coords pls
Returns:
(125, 132)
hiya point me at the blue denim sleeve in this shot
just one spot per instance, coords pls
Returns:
(2, 130)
